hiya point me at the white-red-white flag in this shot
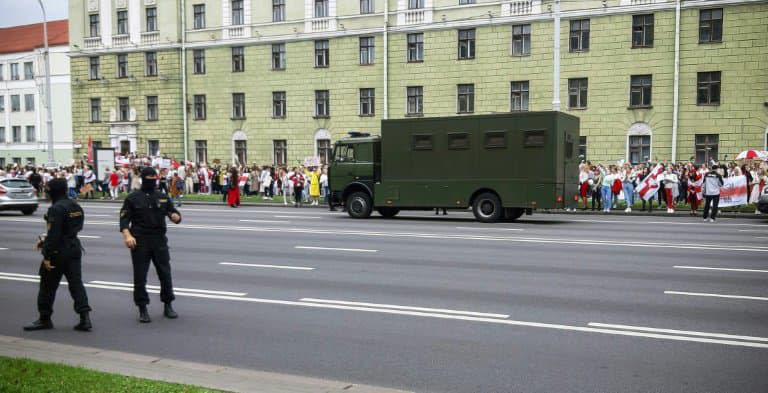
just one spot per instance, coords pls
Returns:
(650, 185)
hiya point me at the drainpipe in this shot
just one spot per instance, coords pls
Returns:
(676, 89)
(386, 60)
(185, 119)
(556, 61)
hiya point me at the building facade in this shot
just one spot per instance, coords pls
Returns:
(277, 82)
(23, 130)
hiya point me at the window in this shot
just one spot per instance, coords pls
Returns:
(278, 104)
(2, 103)
(462, 2)
(150, 64)
(200, 108)
(367, 7)
(324, 150)
(367, 102)
(465, 98)
(31, 135)
(93, 70)
(123, 108)
(467, 44)
(367, 50)
(583, 148)
(579, 37)
(237, 12)
(495, 140)
(241, 152)
(278, 10)
(640, 91)
(2, 72)
(280, 149)
(15, 103)
(711, 25)
(415, 4)
(122, 65)
(198, 11)
(321, 8)
(642, 31)
(201, 151)
(17, 161)
(29, 102)
(322, 103)
(122, 22)
(415, 96)
(16, 131)
(238, 105)
(706, 148)
(14, 71)
(198, 59)
(278, 56)
(535, 138)
(95, 109)
(152, 112)
(639, 148)
(153, 147)
(577, 93)
(458, 141)
(521, 40)
(708, 88)
(28, 74)
(321, 53)
(422, 141)
(2, 140)
(238, 59)
(415, 47)
(519, 96)
(151, 13)
(93, 25)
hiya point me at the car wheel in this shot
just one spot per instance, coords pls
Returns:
(487, 207)
(359, 205)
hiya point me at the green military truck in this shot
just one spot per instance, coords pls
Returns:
(500, 165)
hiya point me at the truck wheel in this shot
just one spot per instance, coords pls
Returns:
(513, 213)
(388, 212)
(28, 211)
(359, 205)
(487, 207)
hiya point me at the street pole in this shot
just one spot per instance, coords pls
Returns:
(49, 118)
(556, 60)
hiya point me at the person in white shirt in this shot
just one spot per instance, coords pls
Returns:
(670, 185)
(88, 179)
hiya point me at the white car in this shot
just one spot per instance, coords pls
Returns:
(17, 194)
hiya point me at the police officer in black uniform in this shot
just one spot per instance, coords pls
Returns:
(142, 223)
(62, 256)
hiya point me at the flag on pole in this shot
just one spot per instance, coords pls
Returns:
(90, 149)
(650, 185)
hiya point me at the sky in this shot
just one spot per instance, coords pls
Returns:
(24, 12)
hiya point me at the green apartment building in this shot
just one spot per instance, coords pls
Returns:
(263, 82)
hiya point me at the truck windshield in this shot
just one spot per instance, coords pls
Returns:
(344, 153)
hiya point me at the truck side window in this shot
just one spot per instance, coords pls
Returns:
(495, 139)
(458, 141)
(345, 153)
(422, 141)
(534, 138)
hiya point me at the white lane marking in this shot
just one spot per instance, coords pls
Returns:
(19, 275)
(89, 236)
(664, 222)
(302, 217)
(444, 316)
(577, 242)
(334, 249)
(99, 215)
(396, 307)
(761, 237)
(721, 268)
(266, 266)
(753, 230)
(491, 229)
(716, 295)
(3, 248)
(682, 332)
(127, 285)
(23, 279)
(266, 221)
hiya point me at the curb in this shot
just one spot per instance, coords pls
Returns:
(175, 371)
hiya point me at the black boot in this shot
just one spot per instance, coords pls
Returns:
(85, 323)
(169, 313)
(144, 315)
(41, 324)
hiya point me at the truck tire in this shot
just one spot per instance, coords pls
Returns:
(359, 205)
(513, 213)
(487, 207)
(388, 212)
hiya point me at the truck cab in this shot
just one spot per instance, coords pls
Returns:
(354, 170)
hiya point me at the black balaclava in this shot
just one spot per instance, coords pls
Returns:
(148, 185)
(57, 189)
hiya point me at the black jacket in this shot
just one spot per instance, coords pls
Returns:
(144, 213)
(64, 220)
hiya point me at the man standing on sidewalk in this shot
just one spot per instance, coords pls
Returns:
(712, 183)
(142, 223)
(62, 256)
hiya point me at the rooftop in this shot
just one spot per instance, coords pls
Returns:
(26, 38)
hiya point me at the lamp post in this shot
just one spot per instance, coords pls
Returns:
(49, 119)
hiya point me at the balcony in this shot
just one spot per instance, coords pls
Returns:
(320, 24)
(414, 16)
(522, 7)
(150, 37)
(121, 40)
(92, 42)
(235, 31)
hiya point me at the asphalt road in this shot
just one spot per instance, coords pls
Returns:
(551, 303)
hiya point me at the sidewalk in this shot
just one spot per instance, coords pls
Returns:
(198, 374)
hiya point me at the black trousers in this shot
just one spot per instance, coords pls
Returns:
(68, 263)
(711, 201)
(155, 249)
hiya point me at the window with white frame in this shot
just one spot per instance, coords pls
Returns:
(278, 104)
(153, 147)
(321, 53)
(198, 11)
(238, 15)
(122, 65)
(238, 105)
(367, 102)
(639, 148)
(467, 44)
(415, 47)
(31, 134)
(93, 69)
(152, 108)
(95, 109)
(577, 93)
(122, 22)
(322, 103)
(15, 103)
(198, 61)
(278, 10)
(16, 134)
(579, 35)
(238, 59)
(123, 108)
(465, 98)
(150, 63)
(280, 152)
(415, 100)
(93, 25)
(321, 8)
(200, 107)
(151, 18)
(28, 70)
(415, 4)
(367, 50)
(521, 40)
(519, 96)
(29, 102)
(278, 56)
(201, 151)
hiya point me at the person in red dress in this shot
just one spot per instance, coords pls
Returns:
(233, 195)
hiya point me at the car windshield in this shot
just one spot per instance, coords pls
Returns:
(15, 183)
